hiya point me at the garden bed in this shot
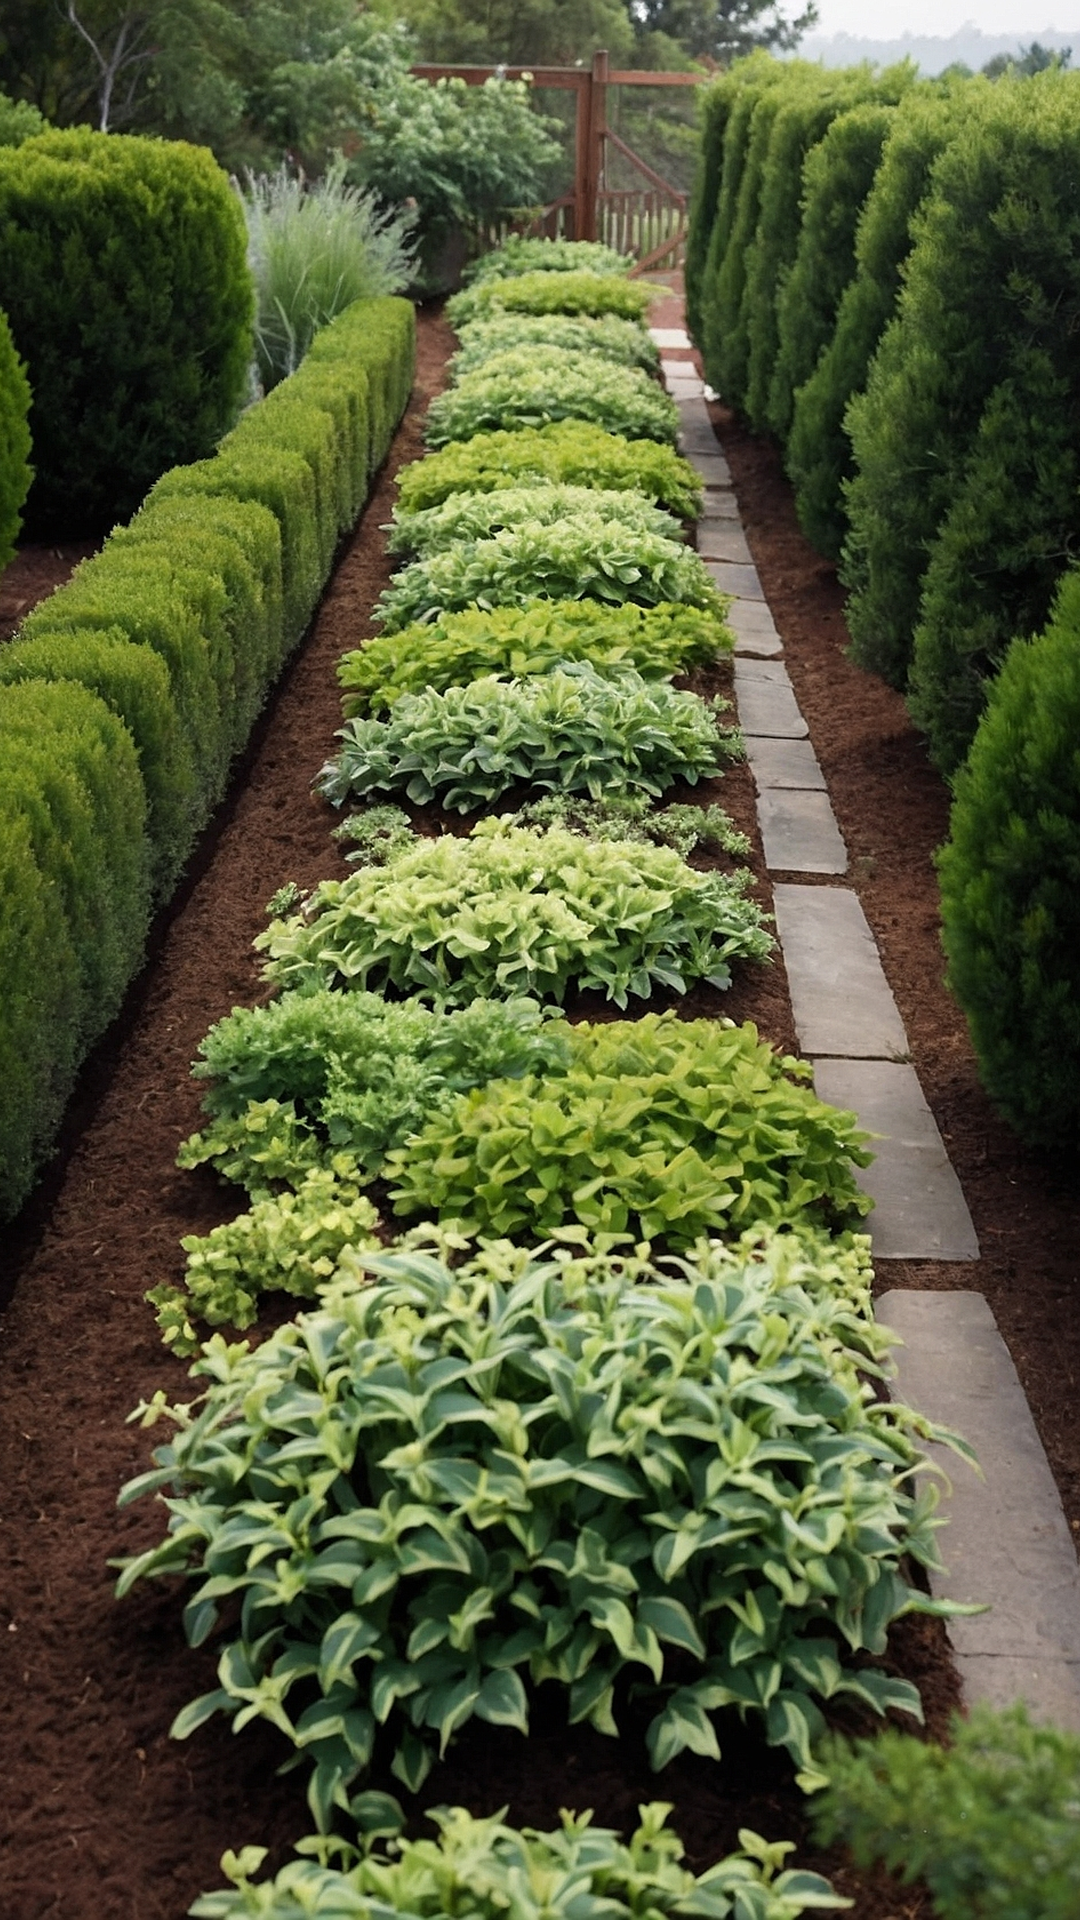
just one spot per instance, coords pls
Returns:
(107, 1816)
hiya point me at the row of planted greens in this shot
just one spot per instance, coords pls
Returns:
(585, 1390)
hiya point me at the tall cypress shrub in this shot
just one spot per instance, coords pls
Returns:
(716, 110)
(1010, 883)
(992, 297)
(818, 454)
(15, 469)
(837, 177)
(809, 103)
(746, 141)
(124, 273)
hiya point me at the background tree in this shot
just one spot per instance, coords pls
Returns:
(722, 30)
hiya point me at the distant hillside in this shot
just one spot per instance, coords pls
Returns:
(931, 52)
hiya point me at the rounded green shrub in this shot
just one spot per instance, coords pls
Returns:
(122, 262)
(755, 77)
(519, 255)
(1010, 883)
(41, 1002)
(15, 469)
(19, 121)
(716, 107)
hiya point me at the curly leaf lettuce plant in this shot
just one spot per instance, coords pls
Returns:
(530, 386)
(444, 1487)
(533, 638)
(476, 516)
(519, 254)
(538, 292)
(582, 558)
(571, 730)
(573, 451)
(631, 816)
(487, 1869)
(509, 911)
(623, 341)
(658, 1127)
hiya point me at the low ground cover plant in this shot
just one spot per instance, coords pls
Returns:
(510, 911)
(493, 1869)
(574, 451)
(476, 516)
(518, 255)
(531, 386)
(990, 1822)
(632, 817)
(443, 1487)
(622, 341)
(535, 637)
(572, 730)
(539, 292)
(659, 1127)
(583, 557)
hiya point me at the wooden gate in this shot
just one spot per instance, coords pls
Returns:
(648, 221)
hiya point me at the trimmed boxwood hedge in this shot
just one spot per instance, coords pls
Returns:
(124, 275)
(15, 469)
(127, 693)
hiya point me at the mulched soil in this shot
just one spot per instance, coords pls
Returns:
(105, 1818)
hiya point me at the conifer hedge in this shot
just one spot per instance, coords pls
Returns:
(127, 693)
(15, 470)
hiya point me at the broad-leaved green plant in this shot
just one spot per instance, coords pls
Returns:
(519, 254)
(530, 386)
(575, 451)
(475, 516)
(539, 292)
(623, 341)
(572, 730)
(510, 911)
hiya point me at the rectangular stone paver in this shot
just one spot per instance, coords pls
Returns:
(840, 997)
(711, 468)
(767, 704)
(751, 619)
(727, 542)
(799, 832)
(740, 580)
(670, 337)
(1007, 1541)
(921, 1213)
(784, 764)
(718, 503)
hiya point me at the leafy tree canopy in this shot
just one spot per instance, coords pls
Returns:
(722, 30)
(1029, 60)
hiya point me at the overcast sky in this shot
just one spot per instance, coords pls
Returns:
(888, 19)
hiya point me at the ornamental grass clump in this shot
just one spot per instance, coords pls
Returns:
(585, 557)
(532, 638)
(510, 911)
(580, 291)
(623, 341)
(488, 1869)
(574, 451)
(572, 731)
(443, 1487)
(531, 386)
(476, 516)
(657, 1128)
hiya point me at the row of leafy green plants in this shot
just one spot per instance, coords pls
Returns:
(883, 274)
(610, 1418)
(125, 696)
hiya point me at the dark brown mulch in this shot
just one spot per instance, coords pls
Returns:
(105, 1817)
(34, 573)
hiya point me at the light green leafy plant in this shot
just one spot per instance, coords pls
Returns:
(531, 386)
(518, 254)
(488, 1869)
(582, 558)
(314, 250)
(631, 817)
(316, 1075)
(622, 341)
(287, 1243)
(539, 292)
(660, 1127)
(574, 451)
(476, 516)
(443, 1484)
(572, 730)
(508, 911)
(373, 837)
(991, 1822)
(454, 648)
